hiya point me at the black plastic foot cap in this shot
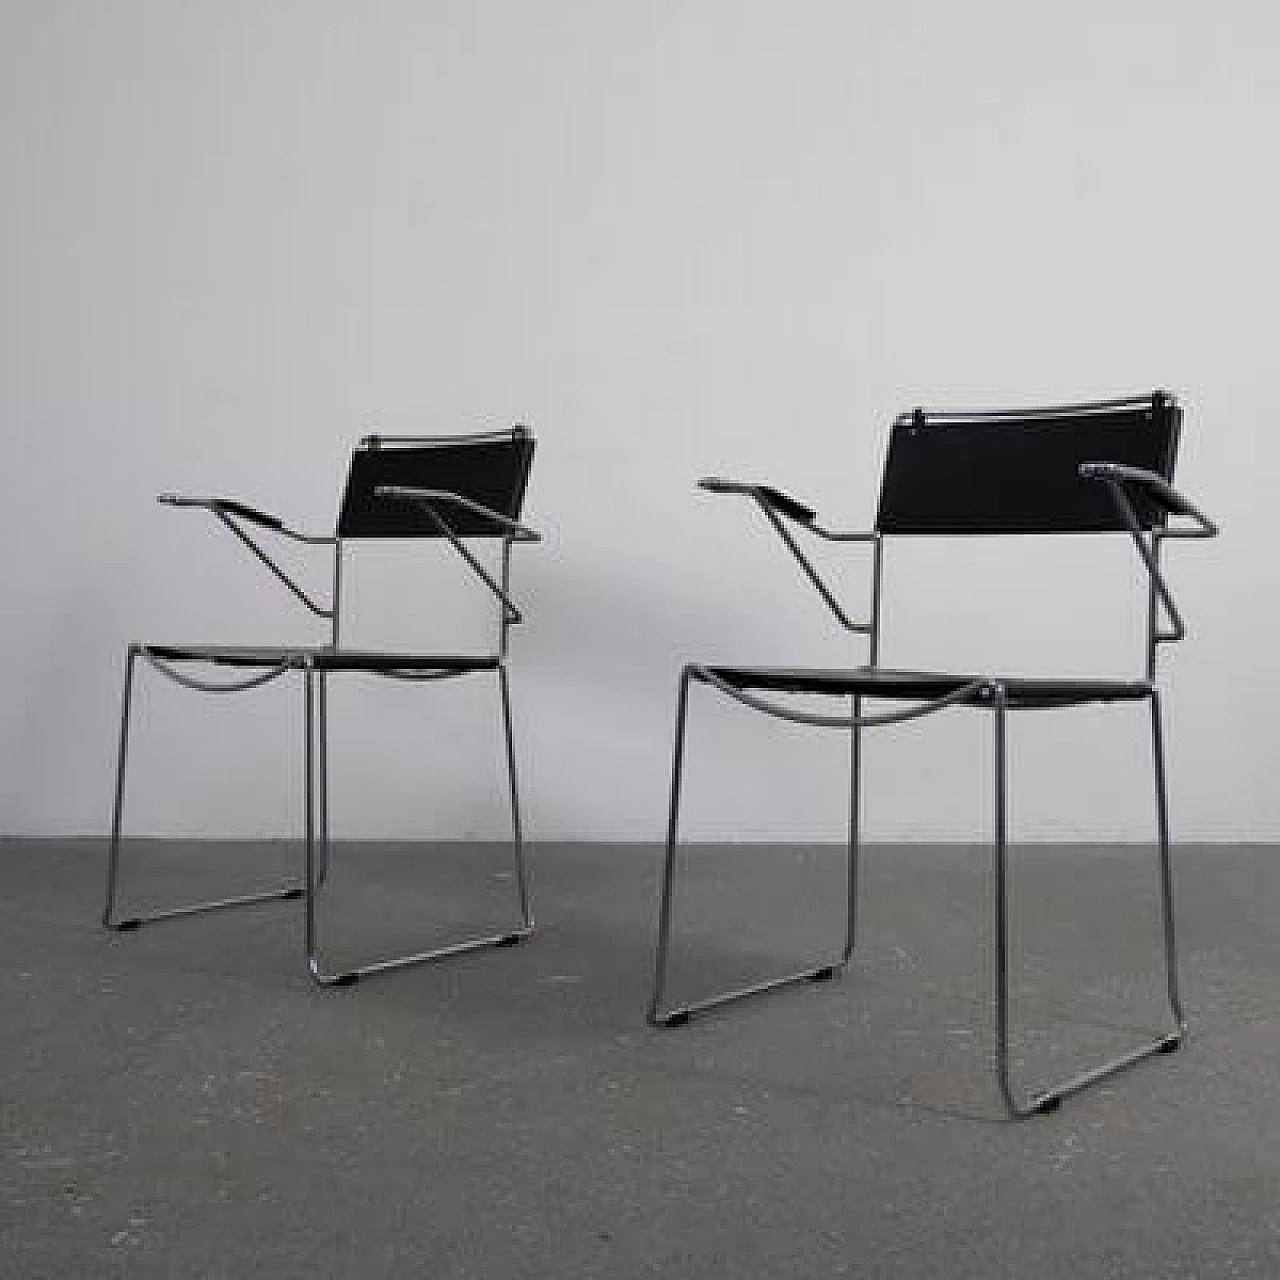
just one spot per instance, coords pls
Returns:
(823, 975)
(126, 926)
(347, 979)
(510, 940)
(1048, 1104)
(1171, 1044)
(289, 894)
(677, 1019)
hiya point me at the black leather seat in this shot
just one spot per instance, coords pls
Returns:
(879, 682)
(320, 658)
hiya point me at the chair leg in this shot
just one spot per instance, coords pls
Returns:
(325, 848)
(855, 835)
(517, 830)
(681, 1014)
(117, 809)
(1051, 1099)
(317, 847)
(117, 820)
(1166, 868)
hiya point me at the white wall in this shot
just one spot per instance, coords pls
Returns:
(676, 237)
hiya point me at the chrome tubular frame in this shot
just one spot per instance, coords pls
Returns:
(316, 778)
(1164, 625)
(679, 1015)
(315, 678)
(428, 502)
(827, 969)
(317, 848)
(1050, 1099)
(284, 893)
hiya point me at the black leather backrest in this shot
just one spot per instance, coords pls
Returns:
(490, 469)
(1018, 471)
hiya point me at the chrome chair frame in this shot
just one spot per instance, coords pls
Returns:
(317, 665)
(927, 694)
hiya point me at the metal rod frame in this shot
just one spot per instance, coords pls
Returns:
(109, 921)
(426, 501)
(317, 843)
(826, 970)
(992, 696)
(1035, 411)
(318, 851)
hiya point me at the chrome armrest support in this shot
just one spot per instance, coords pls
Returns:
(231, 513)
(430, 500)
(778, 506)
(1124, 483)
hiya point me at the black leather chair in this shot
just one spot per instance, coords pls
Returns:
(1093, 468)
(454, 489)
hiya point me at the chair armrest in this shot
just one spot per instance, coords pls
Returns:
(775, 504)
(228, 511)
(1124, 483)
(427, 497)
(242, 511)
(765, 494)
(1154, 488)
(429, 501)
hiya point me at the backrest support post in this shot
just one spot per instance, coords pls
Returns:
(504, 614)
(337, 589)
(877, 580)
(1153, 608)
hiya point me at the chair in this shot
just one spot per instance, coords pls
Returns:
(1093, 468)
(454, 489)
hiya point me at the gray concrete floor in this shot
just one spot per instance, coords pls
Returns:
(183, 1102)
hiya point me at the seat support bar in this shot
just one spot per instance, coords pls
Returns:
(286, 894)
